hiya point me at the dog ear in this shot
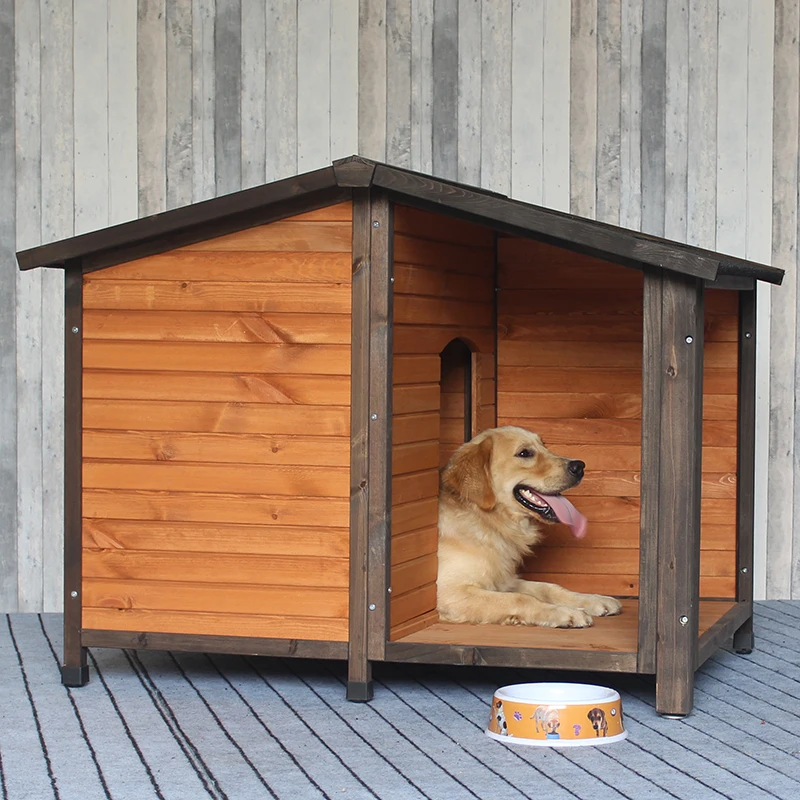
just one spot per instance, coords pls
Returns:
(468, 475)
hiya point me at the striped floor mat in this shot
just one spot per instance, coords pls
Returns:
(188, 726)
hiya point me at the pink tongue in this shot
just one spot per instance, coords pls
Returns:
(567, 513)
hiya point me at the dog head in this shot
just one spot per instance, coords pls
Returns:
(597, 717)
(512, 468)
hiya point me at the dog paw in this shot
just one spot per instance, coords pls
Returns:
(599, 606)
(568, 617)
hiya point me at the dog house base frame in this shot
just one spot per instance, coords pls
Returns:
(667, 631)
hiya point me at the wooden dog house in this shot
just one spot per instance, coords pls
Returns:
(261, 389)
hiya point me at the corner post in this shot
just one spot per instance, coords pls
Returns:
(680, 481)
(370, 424)
(75, 671)
(359, 670)
(381, 343)
(745, 468)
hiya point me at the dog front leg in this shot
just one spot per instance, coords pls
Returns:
(473, 604)
(596, 605)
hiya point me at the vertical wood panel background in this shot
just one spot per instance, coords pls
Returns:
(673, 118)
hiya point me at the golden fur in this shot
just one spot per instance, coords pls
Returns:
(484, 533)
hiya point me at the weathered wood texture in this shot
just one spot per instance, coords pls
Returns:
(679, 491)
(120, 109)
(216, 468)
(671, 88)
(783, 534)
(570, 368)
(9, 564)
(643, 125)
(443, 290)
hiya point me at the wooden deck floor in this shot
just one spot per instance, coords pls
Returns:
(161, 725)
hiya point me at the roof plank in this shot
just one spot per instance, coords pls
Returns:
(332, 184)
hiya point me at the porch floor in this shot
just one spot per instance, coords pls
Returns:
(175, 725)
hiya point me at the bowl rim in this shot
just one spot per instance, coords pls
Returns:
(588, 742)
(557, 693)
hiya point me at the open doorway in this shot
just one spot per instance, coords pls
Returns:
(456, 404)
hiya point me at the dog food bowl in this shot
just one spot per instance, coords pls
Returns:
(556, 715)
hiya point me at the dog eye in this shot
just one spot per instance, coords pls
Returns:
(525, 453)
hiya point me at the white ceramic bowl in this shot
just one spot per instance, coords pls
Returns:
(556, 715)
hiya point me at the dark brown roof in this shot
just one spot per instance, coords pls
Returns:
(333, 184)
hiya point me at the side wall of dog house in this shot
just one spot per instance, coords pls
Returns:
(570, 368)
(443, 290)
(216, 435)
(718, 556)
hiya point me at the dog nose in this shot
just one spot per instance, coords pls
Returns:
(576, 468)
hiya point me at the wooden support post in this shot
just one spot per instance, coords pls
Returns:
(370, 463)
(651, 460)
(75, 670)
(380, 425)
(359, 676)
(680, 455)
(745, 469)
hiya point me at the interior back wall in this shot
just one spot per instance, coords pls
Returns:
(676, 118)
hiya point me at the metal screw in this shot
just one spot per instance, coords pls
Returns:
(391, 280)
(376, 224)
(684, 620)
(372, 606)
(74, 330)
(744, 570)
(389, 590)
(373, 416)
(689, 339)
(73, 594)
(747, 335)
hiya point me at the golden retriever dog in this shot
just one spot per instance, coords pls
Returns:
(496, 491)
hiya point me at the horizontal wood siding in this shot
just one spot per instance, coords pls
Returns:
(718, 557)
(570, 368)
(443, 290)
(216, 435)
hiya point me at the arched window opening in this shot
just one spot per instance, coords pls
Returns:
(456, 399)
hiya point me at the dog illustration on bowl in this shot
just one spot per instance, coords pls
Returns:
(599, 722)
(497, 723)
(550, 722)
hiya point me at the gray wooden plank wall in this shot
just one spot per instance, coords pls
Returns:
(673, 118)
(113, 110)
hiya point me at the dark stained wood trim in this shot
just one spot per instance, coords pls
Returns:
(416, 652)
(242, 209)
(599, 239)
(650, 468)
(359, 671)
(354, 171)
(191, 223)
(196, 643)
(380, 431)
(75, 671)
(739, 270)
(622, 246)
(682, 318)
(722, 632)
(731, 282)
(745, 469)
